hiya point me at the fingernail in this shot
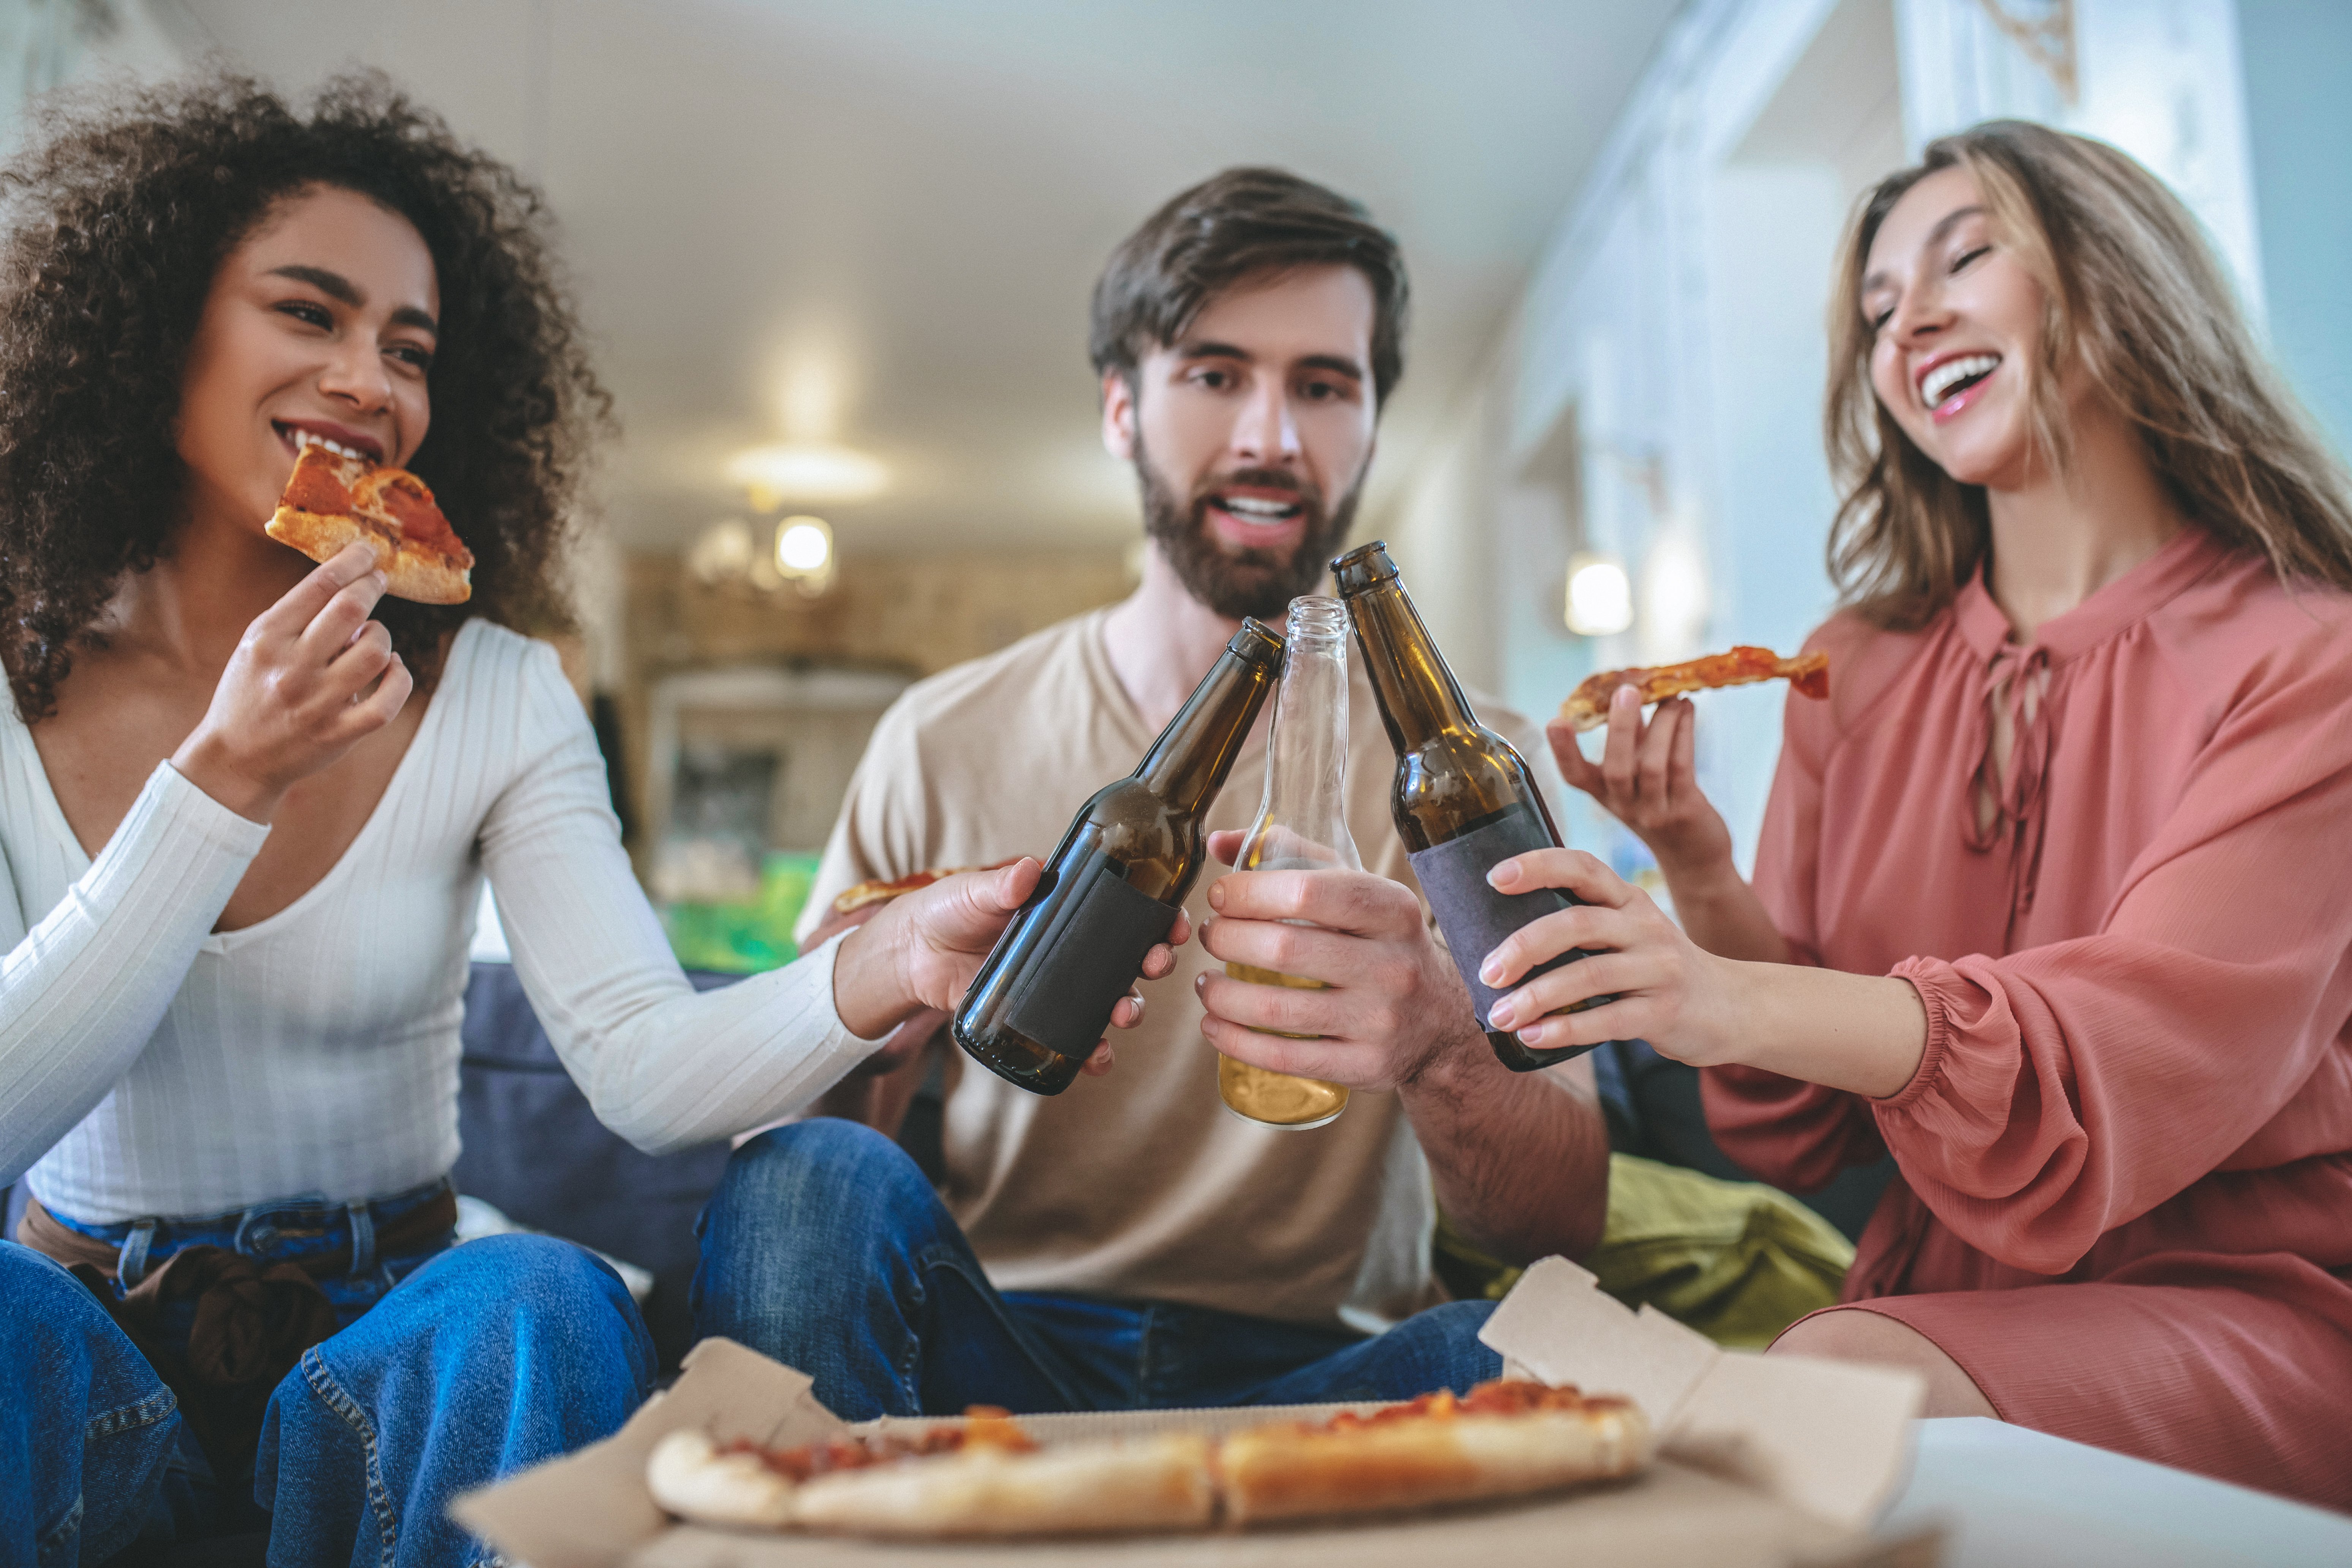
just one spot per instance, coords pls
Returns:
(382, 581)
(1504, 875)
(1217, 895)
(1491, 972)
(1199, 980)
(1532, 1034)
(1500, 1018)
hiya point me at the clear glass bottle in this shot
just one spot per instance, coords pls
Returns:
(1302, 824)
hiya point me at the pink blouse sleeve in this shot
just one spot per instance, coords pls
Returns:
(1794, 1134)
(2071, 1088)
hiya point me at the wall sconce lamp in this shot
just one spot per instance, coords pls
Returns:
(1600, 595)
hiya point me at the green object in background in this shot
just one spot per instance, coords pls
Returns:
(749, 936)
(1738, 1261)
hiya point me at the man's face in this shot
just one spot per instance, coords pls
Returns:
(1251, 436)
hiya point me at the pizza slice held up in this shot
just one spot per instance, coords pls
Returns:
(1587, 706)
(337, 497)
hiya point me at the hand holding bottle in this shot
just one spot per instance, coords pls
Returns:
(1660, 985)
(1389, 1003)
(921, 952)
(1113, 891)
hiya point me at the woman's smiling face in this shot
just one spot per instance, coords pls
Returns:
(322, 320)
(1956, 325)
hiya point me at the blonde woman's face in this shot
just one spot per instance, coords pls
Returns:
(1957, 327)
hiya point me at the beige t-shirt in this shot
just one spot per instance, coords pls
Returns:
(1140, 1185)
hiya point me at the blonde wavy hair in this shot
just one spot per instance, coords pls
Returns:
(2135, 296)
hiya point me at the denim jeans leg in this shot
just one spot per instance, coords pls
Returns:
(1429, 1351)
(826, 1249)
(492, 1357)
(86, 1427)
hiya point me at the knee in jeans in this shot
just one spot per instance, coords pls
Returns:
(532, 1272)
(847, 1161)
(47, 1307)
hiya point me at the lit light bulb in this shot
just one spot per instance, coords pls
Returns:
(1600, 596)
(803, 546)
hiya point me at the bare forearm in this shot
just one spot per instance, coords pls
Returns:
(1520, 1162)
(1862, 1033)
(1723, 914)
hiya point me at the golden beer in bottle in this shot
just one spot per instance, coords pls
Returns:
(1463, 799)
(1302, 824)
(1112, 889)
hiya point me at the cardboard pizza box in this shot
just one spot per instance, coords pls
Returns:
(1776, 1463)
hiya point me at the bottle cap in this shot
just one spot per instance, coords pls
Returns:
(1256, 642)
(1366, 566)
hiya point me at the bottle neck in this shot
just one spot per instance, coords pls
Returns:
(1418, 696)
(1188, 763)
(1303, 819)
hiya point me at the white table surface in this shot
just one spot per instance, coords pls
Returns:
(2016, 1498)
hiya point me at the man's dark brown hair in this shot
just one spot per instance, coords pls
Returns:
(1241, 224)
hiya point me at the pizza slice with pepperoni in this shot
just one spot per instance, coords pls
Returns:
(336, 497)
(1587, 706)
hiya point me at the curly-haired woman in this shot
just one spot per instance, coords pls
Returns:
(246, 807)
(2054, 894)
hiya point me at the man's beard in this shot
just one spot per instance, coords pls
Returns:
(1249, 581)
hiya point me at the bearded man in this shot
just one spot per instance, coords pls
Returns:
(1129, 1243)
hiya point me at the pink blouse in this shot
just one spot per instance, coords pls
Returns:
(2138, 980)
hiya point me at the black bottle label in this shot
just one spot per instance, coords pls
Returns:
(1473, 915)
(1094, 948)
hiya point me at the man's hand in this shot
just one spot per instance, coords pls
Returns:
(1393, 1005)
(1520, 1161)
(922, 950)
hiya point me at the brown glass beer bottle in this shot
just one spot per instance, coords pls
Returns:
(1463, 799)
(1112, 889)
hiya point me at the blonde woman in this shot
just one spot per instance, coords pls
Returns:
(2053, 899)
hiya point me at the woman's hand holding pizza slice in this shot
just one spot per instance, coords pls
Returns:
(311, 678)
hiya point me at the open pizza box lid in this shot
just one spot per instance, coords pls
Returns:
(1771, 1462)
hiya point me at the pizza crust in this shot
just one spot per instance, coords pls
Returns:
(881, 892)
(1276, 1473)
(323, 538)
(690, 1477)
(1162, 1483)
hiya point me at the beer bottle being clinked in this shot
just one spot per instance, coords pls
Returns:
(1113, 887)
(1463, 800)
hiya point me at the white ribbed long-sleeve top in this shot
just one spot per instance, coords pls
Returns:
(152, 1066)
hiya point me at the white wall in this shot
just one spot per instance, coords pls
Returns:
(52, 43)
(2297, 56)
(1658, 392)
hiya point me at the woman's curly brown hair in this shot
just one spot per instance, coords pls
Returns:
(117, 216)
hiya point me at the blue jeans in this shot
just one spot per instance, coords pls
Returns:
(825, 1247)
(453, 1368)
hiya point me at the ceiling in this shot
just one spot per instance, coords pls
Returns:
(879, 222)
